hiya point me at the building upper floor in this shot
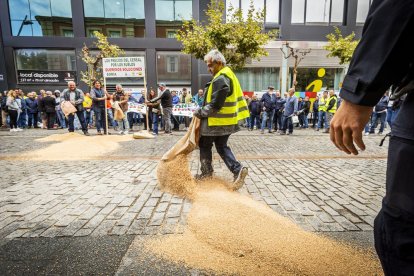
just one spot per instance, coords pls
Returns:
(294, 19)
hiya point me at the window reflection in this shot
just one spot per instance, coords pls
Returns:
(41, 17)
(174, 68)
(46, 60)
(362, 10)
(118, 18)
(272, 8)
(169, 15)
(318, 12)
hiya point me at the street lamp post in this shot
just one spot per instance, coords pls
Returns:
(24, 22)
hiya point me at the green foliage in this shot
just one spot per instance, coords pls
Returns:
(341, 47)
(94, 62)
(240, 39)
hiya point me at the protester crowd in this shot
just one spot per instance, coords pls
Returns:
(275, 113)
(271, 112)
(46, 109)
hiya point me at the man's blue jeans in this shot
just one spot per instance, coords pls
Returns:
(22, 121)
(381, 116)
(155, 123)
(61, 118)
(304, 117)
(254, 118)
(267, 119)
(287, 124)
(322, 120)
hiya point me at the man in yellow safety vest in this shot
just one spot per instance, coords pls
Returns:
(322, 111)
(331, 106)
(223, 108)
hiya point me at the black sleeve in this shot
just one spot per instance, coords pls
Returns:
(331, 104)
(221, 90)
(383, 55)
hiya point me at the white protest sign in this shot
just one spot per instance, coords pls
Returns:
(123, 67)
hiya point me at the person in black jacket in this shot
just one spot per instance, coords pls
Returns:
(49, 107)
(166, 103)
(32, 109)
(254, 109)
(380, 112)
(383, 58)
(305, 111)
(315, 112)
(268, 102)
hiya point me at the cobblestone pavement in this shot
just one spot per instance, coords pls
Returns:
(302, 177)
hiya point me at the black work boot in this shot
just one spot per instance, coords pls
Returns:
(206, 170)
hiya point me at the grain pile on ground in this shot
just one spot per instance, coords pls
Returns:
(74, 146)
(231, 233)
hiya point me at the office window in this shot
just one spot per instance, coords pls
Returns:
(36, 66)
(118, 18)
(272, 8)
(362, 10)
(173, 68)
(172, 64)
(318, 12)
(258, 79)
(169, 15)
(40, 17)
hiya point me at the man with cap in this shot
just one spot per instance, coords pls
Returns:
(268, 101)
(223, 108)
(166, 103)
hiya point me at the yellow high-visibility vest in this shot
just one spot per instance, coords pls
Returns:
(322, 106)
(333, 109)
(234, 108)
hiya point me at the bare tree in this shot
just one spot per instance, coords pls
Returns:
(298, 55)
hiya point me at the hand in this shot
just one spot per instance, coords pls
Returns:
(347, 126)
(197, 113)
(264, 108)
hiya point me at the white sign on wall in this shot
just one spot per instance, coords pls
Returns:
(123, 67)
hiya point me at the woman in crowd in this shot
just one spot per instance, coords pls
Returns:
(13, 110)
(154, 111)
(49, 108)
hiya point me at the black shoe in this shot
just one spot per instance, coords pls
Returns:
(239, 178)
(86, 133)
(202, 176)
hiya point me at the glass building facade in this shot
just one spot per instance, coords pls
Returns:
(47, 36)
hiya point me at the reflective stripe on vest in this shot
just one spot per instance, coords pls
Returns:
(333, 109)
(322, 106)
(234, 108)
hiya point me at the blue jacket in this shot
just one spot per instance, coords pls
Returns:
(382, 104)
(291, 106)
(315, 106)
(32, 105)
(175, 100)
(280, 102)
(268, 101)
